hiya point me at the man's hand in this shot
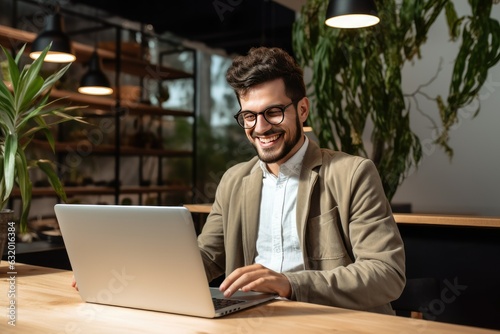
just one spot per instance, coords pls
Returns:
(256, 278)
(73, 283)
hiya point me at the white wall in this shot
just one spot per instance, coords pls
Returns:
(470, 182)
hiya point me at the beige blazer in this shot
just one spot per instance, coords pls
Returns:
(353, 252)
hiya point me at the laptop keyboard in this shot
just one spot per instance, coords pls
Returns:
(221, 303)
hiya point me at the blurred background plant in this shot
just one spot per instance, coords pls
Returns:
(356, 82)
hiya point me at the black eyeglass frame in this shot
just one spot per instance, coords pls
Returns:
(263, 113)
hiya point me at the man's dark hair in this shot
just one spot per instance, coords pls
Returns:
(263, 64)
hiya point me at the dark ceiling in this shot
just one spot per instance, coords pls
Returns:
(231, 25)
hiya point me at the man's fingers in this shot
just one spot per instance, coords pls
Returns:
(73, 283)
(257, 278)
(232, 278)
(245, 279)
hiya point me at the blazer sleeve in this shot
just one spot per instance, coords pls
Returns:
(375, 274)
(211, 242)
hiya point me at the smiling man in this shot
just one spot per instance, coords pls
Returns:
(306, 223)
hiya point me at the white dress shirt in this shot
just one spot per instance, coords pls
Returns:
(278, 245)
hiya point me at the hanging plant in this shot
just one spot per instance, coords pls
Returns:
(356, 84)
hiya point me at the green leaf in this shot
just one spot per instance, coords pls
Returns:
(25, 187)
(30, 79)
(452, 20)
(9, 163)
(46, 166)
(13, 68)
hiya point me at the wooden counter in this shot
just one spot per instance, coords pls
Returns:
(448, 220)
(405, 218)
(199, 208)
(46, 303)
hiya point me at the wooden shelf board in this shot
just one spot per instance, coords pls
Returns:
(12, 37)
(153, 189)
(141, 68)
(105, 190)
(65, 147)
(108, 103)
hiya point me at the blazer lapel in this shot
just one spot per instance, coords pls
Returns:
(308, 178)
(252, 188)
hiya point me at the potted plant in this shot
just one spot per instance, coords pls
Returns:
(25, 109)
(357, 77)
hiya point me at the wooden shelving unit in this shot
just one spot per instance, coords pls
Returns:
(114, 109)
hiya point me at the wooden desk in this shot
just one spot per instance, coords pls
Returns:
(46, 303)
(449, 248)
(199, 208)
(405, 218)
(201, 211)
(447, 220)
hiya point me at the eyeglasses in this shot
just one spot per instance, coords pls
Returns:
(273, 115)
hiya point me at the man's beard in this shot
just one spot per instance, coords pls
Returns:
(269, 157)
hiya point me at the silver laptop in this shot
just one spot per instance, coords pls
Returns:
(143, 257)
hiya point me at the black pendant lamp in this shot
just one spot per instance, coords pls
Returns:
(61, 50)
(95, 82)
(351, 14)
